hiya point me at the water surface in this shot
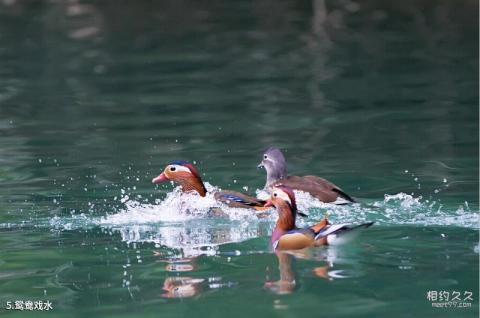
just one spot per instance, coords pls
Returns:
(96, 97)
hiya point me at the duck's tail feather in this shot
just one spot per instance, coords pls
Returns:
(344, 196)
(340, 229)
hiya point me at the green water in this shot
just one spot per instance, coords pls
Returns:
(96, 97)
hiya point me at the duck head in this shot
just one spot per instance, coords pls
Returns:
(275, 164)
(183, 173)
(283, 199)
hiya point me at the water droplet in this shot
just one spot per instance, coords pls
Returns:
(444, 180)
(39, 160)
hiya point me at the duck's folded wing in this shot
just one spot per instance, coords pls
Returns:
(320, 188)
(237, 199)
(323, 183)
(320, 191)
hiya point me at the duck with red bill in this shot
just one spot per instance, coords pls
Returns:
(287, 236)
(187, 176)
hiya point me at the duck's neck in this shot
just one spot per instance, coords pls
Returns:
(285, 222)
(286, 217)
(275, 174)
(193, 184)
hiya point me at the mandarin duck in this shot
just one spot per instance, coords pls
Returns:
(188, 177)
(286, 236)
(276, 166)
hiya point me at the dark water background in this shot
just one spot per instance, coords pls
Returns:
(380, 97)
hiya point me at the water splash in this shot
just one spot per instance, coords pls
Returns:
(184, 222)
(177, 206)
(394, 209)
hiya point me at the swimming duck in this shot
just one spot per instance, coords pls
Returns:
(188, 177)
(286, 236)
(276, 166)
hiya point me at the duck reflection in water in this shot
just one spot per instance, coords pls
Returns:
(187, 286)
(182, 287)
(287, 282)
(286, 265)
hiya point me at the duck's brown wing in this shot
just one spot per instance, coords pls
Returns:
(327, 184)
(239, 200)
(318, 187)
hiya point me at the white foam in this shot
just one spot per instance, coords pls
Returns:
(183, 221)
(177, 206)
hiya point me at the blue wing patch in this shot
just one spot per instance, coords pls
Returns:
(234, 198)
(179, 162)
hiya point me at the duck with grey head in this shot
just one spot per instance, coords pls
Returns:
(275, 165)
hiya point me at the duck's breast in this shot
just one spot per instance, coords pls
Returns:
(294, 241)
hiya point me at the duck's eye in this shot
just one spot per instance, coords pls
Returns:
(173, 168)
(265, 157)
(275, 194)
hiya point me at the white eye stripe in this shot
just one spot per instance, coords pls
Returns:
(282, 195)
(179, 168)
